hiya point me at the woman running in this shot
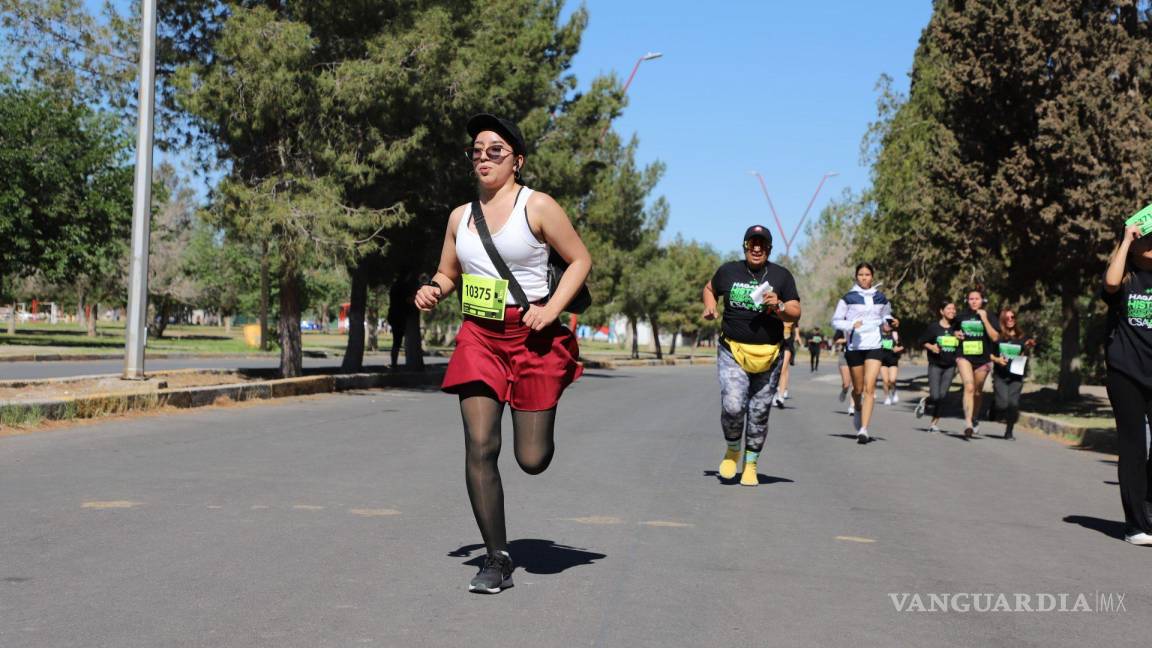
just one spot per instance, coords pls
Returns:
(759, 297)
(815, 344)
(788, 346)
(860, 314)
(1128, 293)
(1008, 364)
(506, 352)
(890, 363)
(942, 344)
(977, 334)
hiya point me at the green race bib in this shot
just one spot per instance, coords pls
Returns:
(973, 328)
(1009, 350)
(948, 343)
(973, 347)
(886, 344)
(483, 297)
(817, 339)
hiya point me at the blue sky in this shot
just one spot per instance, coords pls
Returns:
(783, 88)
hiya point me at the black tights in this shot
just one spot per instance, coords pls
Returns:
(533, 433)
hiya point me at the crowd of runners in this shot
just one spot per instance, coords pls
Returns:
(517, 263)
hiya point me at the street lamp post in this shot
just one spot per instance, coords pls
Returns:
(647, 57)
(788, 241)
(141, 199)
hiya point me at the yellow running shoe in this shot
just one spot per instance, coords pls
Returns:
(749, 477)
(728, 465)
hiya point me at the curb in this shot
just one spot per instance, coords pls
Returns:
(1084, 438)
(189, 397)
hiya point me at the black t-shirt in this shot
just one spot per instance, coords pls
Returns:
(1009, 347)
(945, 338)
(743, 320)
(1129, 346)
(976, 347)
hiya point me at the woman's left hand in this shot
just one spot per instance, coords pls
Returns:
(539, 317)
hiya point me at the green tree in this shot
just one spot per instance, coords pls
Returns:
(66, 198)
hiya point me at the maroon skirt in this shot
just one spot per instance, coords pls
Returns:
(526, 369)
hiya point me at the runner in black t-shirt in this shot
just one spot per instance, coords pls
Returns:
(890, 363)
(815, 344)
(977, 334)
(1128, 293)
(759, 296)
(1007, 385)
(941, 342)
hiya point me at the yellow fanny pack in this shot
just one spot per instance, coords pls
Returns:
(754, 358)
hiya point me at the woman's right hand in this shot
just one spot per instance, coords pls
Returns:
(427, 297)
(857, 324)
(1131, 233)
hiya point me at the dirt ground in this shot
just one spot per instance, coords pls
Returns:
(24, 391)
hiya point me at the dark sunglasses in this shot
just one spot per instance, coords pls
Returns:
(496, 153)
(753, 243)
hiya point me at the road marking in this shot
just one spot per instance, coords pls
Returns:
(666, 523)
(595, 519)
(374, 512)
(213, 506)
(855, 539)
(258, 507)
(114, 504)
(307, 507)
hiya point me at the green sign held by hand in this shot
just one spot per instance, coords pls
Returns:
(1143, 219)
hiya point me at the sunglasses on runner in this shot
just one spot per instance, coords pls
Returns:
(496, 153)
(758, 244)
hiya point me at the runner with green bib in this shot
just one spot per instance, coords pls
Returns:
(815, 346)
(941, 342)
(759, 297)
(977, 335)
(1009, 362)
(510, 350)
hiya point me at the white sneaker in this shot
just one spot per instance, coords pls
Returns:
(1139, 538)
(976, 429)
(888, 400)
(784, 394)
(862, 436)
(920, 407)
(851, 409)
(934, 428)
(895, 397)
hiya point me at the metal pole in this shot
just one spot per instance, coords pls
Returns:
(141, 199)
(796, 232)
(779, 225)
(647, 57)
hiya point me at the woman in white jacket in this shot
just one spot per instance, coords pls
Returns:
(860, 314)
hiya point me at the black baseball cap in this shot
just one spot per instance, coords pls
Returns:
(506, 128)
(758, 231)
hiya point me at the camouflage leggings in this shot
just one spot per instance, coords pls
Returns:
(746, 399)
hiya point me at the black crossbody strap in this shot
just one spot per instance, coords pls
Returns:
(494, 255)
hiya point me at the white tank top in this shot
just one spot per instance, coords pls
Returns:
(526, 257)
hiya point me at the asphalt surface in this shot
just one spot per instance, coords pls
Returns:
(343, 521)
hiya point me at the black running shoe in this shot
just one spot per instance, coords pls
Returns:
(495, 575)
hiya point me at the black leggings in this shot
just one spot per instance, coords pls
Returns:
(939, 380)
(1132, 407)
(1007, 400)
(814, 357)
(534, 444)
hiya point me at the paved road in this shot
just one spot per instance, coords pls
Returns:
(61, 368)
(342, 521)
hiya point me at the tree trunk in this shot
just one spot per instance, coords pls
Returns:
(322, 316)
(81, 321)
(413, 343)
(1068, 388)
(12, 320)
(656, 337)
(291, 351)
(672, 347)
(92, 320)
(635, 339)
(373, 322)
(228, 325)
(159, 323)
(265, 290)
(354, 351)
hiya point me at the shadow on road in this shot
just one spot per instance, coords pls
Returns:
(593, 374)
(760, 477)
(535, 556)
(871, 439)
(1110, 528)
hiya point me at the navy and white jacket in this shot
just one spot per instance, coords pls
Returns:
(871, 308)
